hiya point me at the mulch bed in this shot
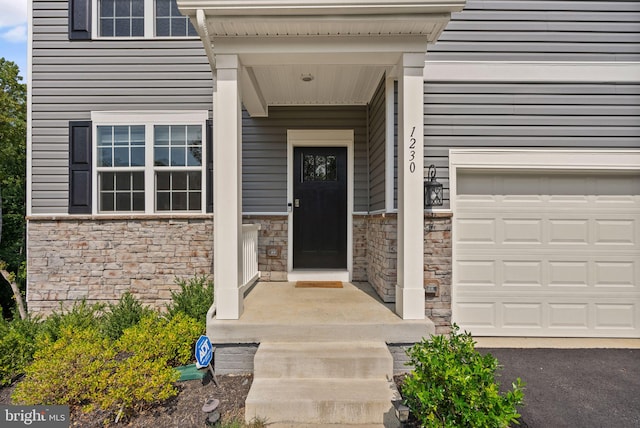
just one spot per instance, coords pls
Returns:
(184, 410)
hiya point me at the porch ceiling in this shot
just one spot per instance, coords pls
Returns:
(341, 48)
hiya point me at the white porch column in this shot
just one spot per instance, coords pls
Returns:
(227, 188)
(410, 295)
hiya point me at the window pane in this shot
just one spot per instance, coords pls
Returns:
(123, 181)
(195, 180)
(106, 28)
(161, 135)
(163, 181)
(321, 168)
(137, 8)
(179, 201)
(332, 171)
(174, 8)
(162, 7)
(195, 201)
(194, 135)
(137, 156)
(106, 8)
(138, 180)
(123, 201)
(123, 27)
(194, 156)
(106, 202)
(178, 137)
(104, 157)
(105, 136)
(163, 27)
(179, 181)
(308, 168)
(107, 181)
(121, 156)
(192, 31)
(121, 135)
(161, 156)
(177, 156)
(137, 27)
(138, 201)
(137, 135)
(163, 201)
(123, 7)
(178, 27)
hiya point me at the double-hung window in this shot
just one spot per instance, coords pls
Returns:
(149, 162)
(141, 18)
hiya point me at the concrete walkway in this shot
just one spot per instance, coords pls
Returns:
(575, 387)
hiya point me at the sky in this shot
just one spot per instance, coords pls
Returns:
(13, 33)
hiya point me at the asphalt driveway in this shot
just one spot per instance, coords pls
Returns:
(575, 387)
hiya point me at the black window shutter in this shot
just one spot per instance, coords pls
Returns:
(79, 19)
(80, 167)
(209, 166)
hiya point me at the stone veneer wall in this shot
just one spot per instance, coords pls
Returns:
(98, 259)
(382, 234)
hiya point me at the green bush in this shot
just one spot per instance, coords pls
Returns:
(80, 316)
(17, 346)
(453, 385)
(126, 313)
(82, 368)
(172, 339)
(194, 298)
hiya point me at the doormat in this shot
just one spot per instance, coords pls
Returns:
(318, 284)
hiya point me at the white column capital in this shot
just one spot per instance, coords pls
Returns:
(227, 61)
(412, 60)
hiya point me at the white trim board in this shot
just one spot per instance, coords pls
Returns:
(321, 138)
(532, 71)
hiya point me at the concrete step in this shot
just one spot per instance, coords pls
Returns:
(364, 360)
(322, 401)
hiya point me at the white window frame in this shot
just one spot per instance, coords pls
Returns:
(149, 119)
(149, 25)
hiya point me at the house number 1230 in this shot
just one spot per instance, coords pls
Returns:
(412, 151)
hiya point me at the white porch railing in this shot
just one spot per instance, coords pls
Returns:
(250, 272)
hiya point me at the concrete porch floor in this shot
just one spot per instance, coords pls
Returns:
(279, 312)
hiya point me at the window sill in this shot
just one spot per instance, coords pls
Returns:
(124, 216)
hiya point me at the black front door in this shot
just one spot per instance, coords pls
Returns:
(320, 207)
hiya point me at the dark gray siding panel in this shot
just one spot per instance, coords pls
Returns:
(538, 116)
(377, 137)
(73, 78)
(264, 152)
(542, 30)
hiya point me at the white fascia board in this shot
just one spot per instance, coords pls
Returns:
(319, 7)
(529, 71)
(602, 160)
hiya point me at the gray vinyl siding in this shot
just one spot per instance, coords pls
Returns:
(73, 78)
(264, 153)
(527, 115)
(541, 30)
(377, 136)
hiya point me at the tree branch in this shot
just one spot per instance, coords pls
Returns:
(10, 278)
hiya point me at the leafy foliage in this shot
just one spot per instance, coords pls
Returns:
(13, 114)
(126, 313)
(80, 316)
(17, 346)
(453, 385)
(194, 298)
(173, 339)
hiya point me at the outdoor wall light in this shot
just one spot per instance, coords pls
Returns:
(432, 189)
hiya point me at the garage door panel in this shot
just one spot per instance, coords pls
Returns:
(553, 254)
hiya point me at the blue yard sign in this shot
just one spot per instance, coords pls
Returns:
(204, 352)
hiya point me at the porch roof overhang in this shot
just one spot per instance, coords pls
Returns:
(342, 47)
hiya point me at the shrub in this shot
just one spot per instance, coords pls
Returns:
(81, 316)
(17, 346)
(158, 338)
(83, 368)
(453, 385)
(194, 298)
(126, 313)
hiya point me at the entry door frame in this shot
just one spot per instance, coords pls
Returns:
(320, 138)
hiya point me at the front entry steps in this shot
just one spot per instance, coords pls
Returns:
(323, 383)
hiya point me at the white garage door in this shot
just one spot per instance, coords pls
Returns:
(547, 254)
